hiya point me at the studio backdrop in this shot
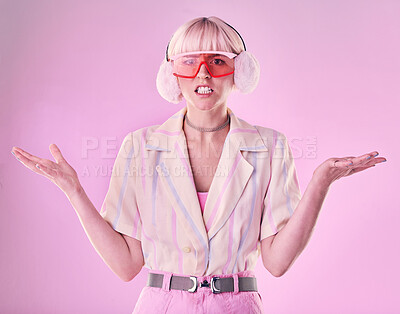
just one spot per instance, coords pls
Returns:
(82, 75)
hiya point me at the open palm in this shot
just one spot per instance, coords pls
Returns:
(334, 168)
(58, 172)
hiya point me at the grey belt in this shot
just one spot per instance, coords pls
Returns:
(191, 283)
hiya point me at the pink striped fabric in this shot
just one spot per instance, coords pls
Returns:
(152, 197)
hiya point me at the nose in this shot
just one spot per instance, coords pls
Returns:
(203, 72)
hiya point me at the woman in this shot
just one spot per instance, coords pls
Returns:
(198, 198)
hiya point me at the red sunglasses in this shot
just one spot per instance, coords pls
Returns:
(218, 63)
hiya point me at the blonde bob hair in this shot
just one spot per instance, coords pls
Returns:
(201, 34)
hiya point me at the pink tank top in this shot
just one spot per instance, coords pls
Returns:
(202, 199)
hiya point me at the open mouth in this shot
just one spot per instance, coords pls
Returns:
(204, 90)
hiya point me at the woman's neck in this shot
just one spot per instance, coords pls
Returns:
(206, 119)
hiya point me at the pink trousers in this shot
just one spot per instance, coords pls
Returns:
(161, 300)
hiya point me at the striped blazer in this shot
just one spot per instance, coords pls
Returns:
(152, 197)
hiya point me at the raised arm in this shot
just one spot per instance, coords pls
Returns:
(122, 254)
(281, 250)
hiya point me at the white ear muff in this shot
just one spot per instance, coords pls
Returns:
(247, 72)
(167, 84)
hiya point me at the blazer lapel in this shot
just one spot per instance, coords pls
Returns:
(177, 180)
(233, 173)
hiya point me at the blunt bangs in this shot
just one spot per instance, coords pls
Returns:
(205, 34)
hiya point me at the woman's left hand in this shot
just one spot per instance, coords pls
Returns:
(333, 169)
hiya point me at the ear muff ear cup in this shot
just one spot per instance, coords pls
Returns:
(247, 72)
(167, 84)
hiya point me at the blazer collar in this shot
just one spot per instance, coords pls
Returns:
(242, 135)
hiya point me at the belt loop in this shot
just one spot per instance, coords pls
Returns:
(167, 281)
(235, 284)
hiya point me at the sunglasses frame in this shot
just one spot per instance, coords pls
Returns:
(230, 55)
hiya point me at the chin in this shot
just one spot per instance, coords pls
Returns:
(203, 106)
(206, 105)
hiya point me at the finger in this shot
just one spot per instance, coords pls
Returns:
(47, 171)
(371, 155)
(374, 161)
(34, 160)
(358, 169)
(26, 154)
(379, 160)
(363, 159)
(26, 161)
(55, 151)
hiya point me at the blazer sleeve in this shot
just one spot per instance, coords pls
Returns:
(119, 207)
(283, 193)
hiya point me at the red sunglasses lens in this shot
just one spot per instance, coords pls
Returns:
(188, 66)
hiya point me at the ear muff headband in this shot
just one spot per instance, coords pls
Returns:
(244, 45)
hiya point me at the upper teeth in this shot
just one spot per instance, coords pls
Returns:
(204, 90)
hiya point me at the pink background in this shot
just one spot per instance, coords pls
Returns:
(83, 72)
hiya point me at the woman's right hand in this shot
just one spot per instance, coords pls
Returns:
(59, 172)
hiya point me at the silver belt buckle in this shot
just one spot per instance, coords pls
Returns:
(194, 280)
(213, 288)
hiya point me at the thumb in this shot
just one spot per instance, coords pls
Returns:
(55, 151)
